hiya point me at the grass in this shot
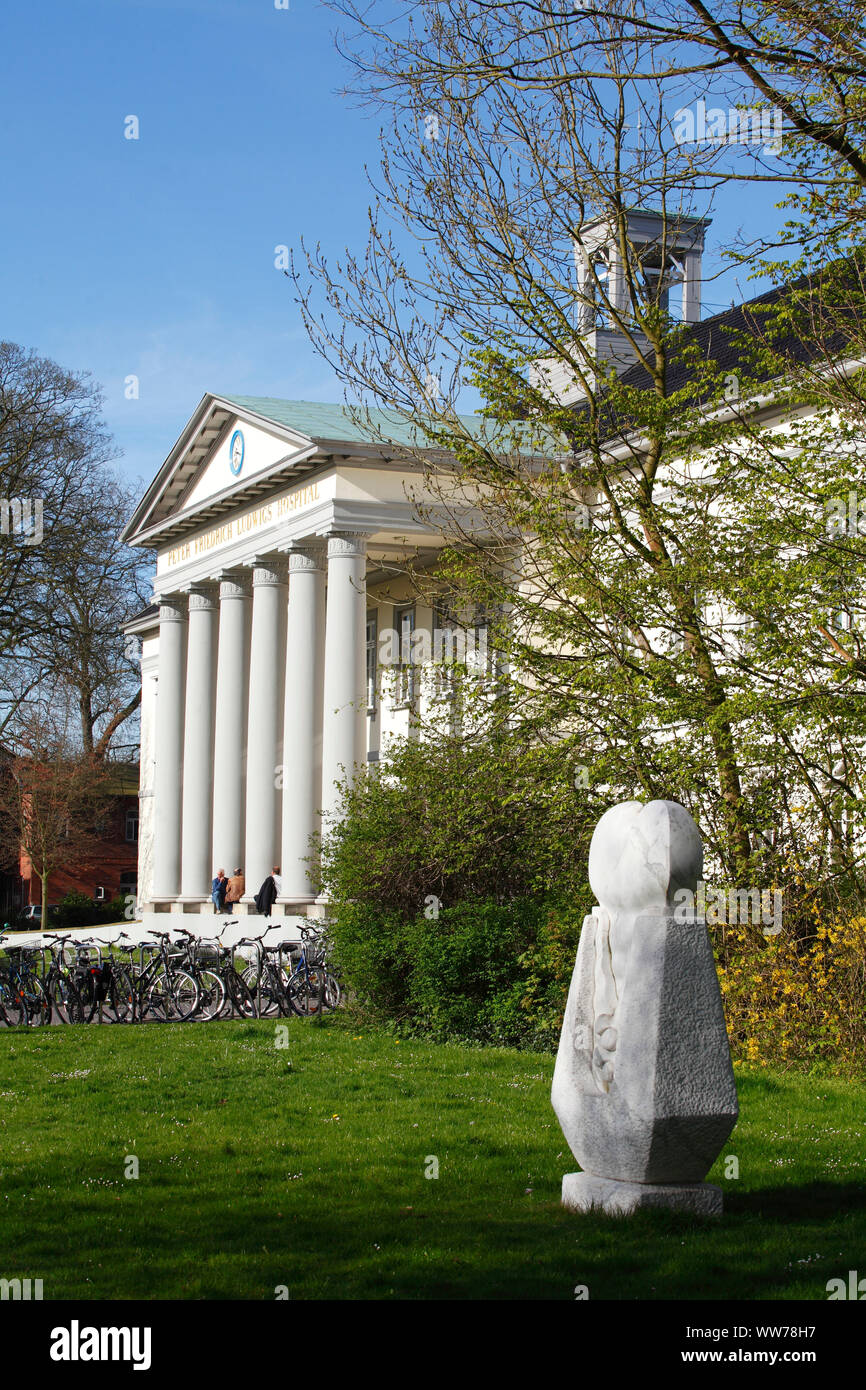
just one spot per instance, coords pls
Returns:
(304, 1167)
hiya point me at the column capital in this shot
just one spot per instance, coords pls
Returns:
(203, 598)
(172, 608)
(306, 557)
(347, 545)
(269, 571)
(234, 584)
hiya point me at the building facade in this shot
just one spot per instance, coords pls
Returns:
(280, 530)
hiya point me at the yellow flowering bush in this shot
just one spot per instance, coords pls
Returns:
(790, 998)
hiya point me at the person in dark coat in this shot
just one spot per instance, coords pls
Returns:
(267, 894)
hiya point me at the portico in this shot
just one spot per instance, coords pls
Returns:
(270, 521)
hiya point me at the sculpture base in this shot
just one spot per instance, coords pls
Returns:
(585, 1192)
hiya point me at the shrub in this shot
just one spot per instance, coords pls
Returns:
(79, 910)
(480, 971)
(466, 980)
(458, 890)
(457, 881)
(789, 1000)
(455, 821)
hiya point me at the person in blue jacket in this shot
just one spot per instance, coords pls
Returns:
(218, 891)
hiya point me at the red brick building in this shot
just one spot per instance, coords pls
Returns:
(115, 865)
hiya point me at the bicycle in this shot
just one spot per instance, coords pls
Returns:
(269, 980)
(24, 978)
(240, 998)
(161, 988)
(100, 988)
(57, 980)
(312, 988)
(211, 987)
(13, 1001)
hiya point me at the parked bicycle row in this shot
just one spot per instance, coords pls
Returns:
(174, 977)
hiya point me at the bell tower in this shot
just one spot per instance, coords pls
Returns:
(664, 266)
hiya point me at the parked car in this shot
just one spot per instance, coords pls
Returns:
(32, 915)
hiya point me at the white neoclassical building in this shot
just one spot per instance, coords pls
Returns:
(279, 530)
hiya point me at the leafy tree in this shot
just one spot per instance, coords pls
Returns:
(657, 548)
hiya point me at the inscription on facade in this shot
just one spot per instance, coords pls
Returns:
(243, 525)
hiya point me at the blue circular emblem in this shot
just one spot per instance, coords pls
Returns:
(236, 452)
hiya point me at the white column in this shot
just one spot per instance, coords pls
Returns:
(344, 722)
(198, 741)
(168, 771)
(302, 721)
(230, 739)
(264, 735)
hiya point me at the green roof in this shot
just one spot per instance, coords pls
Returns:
(318, 420)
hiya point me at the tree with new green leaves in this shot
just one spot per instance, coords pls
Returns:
(645, 501)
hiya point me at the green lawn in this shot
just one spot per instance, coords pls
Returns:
(305, 1167)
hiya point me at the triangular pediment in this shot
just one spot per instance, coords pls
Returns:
(241, 452)
(224, 456)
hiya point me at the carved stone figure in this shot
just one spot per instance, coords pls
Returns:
(643, 1085)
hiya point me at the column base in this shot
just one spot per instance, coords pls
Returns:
(585, 1192)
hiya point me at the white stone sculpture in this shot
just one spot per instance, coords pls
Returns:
(643, 1085)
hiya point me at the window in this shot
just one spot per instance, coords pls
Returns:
(404, 685)
(372, 662)
(600, 289)
(132, 824)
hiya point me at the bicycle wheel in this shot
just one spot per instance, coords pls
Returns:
(305, 993)
(38, 1001)
(93, 998)
(65, 1003)
(272, 996)
(119, 1003)
(179, 996)
(333, 992)
(240, 996)
(152, 1001)
(13, 1005)
(211, 994)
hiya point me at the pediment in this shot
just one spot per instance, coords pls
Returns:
(241, 451)
(224, 456)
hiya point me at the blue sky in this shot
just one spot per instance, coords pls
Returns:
(155, 256)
